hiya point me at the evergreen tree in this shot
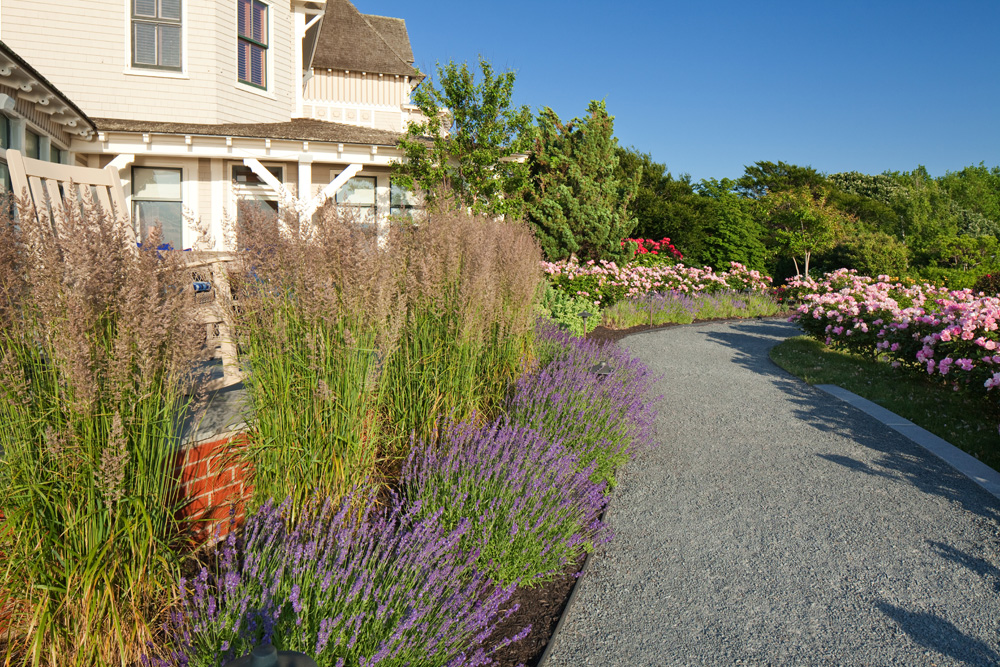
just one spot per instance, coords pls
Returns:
(577, 202)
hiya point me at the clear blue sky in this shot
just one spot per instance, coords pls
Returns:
(708, 87)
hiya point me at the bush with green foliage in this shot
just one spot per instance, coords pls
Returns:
(469, 130)
(566, 311)
(988, 284)
(577, 202)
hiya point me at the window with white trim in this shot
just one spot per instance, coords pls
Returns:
(156, 34)
(157, 202)
(359, 194)
(32, 144)
(251, 42)
(401, 201)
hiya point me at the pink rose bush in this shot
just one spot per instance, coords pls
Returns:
(605, 282)
(951, 334)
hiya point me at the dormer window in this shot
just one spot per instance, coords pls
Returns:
(251, 42)
(156, 34)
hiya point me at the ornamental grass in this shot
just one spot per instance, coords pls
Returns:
(95, 347)
(359, 343)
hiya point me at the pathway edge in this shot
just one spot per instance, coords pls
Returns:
(970, 466)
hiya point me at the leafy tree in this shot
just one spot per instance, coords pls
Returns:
(763, 178)
(975, 189)
(872, 254)
(733, 235)
(665, 206)
(802, 225)
(467, 139)
(578, 201)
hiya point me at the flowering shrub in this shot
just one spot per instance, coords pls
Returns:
(949, 334)
(606, 282)
(648, 252)
(530, 503)
(346, 586)
(600, 419)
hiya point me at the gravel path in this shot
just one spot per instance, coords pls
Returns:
(776, 525)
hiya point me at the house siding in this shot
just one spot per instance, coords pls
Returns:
(87, 54)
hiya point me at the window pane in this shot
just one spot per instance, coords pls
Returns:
(170, 9)
(4, 132)
(166, 215)
(56, 154)
(400, 196)
(243, 22)
(359, 191)
(153, 183)
(144, 43)
(244, 175)
(144, 8)
(256, 65)
(31, 143)
(170, 46)
(5, 176)
(260, 22)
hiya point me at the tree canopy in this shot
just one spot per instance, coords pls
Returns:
(472, 139)
(577, 200)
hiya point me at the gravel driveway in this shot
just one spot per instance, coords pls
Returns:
(775, 525)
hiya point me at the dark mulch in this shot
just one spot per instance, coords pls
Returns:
(541, 608)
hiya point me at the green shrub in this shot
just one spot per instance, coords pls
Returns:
(565, 309)
(950, 278)
(988, 284)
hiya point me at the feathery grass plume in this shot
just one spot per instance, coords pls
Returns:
(601, 419)
(381, 339)
(317, 308)
(529, 502)
(369, 586)
(95, 343)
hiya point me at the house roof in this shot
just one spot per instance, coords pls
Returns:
(350, 40)
(40, 91)
(298, 129)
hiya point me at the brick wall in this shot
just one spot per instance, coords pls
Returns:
(214, 482)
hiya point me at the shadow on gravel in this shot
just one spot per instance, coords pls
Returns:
(895, 457)
(939, 635)
(983, 568)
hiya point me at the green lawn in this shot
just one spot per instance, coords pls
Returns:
(965, 420)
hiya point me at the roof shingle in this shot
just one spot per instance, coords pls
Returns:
(298, 129)
(350, 40)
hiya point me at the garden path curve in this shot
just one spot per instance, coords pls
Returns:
(776, 525)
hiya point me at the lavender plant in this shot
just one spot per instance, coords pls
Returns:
(347, 583)
(95, 346)
(529, 501)
(601, 419)
(674, 307)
